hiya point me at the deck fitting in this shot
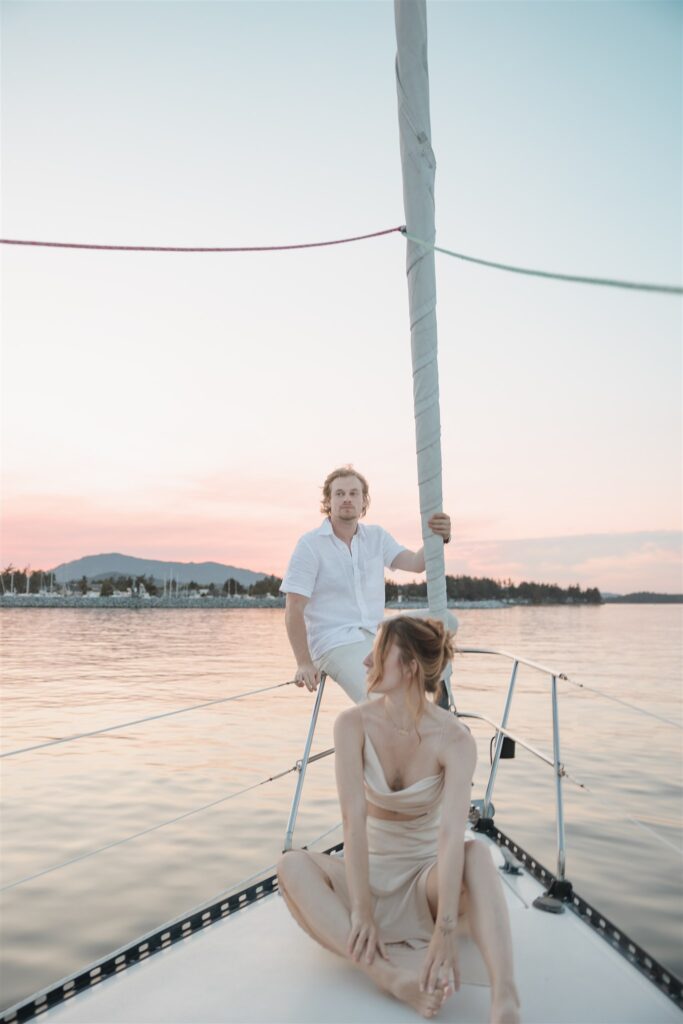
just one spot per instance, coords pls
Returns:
(549, 904)
(559, 892)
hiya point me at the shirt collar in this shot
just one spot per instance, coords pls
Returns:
(326, 530)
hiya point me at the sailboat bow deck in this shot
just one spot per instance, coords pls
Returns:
(245, 958)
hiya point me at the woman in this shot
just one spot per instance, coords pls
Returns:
(407, 872)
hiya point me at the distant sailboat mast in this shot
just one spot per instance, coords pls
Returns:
(419, 165)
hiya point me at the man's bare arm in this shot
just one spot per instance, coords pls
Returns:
(410, 561)
(306, 673)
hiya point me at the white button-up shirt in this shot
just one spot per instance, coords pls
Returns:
(345, 587)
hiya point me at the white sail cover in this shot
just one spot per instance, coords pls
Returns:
(419, 166)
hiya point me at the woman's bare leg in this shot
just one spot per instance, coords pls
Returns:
(307, 890)
(489, 923)
(297, 873)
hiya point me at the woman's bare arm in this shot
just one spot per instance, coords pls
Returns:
(459, 757)
(364, 940)
(348, 765)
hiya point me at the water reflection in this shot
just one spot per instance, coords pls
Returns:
(70, 671)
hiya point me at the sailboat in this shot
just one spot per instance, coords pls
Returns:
(243, 958)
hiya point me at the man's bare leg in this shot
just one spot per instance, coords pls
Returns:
(488, 919)
(314, 904)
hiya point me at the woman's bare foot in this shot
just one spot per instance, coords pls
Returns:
(405, 986)
(505, 1007)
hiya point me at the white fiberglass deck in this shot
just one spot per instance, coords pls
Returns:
(257, 965)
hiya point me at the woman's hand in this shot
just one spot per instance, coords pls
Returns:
(364, 941)
(442, 961)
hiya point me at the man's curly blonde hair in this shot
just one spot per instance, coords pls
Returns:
(326, 504)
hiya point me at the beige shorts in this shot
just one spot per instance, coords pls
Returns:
(345, 665)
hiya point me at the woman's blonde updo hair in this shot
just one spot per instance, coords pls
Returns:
(426, 641)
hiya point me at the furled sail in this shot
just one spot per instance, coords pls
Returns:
(419, 166)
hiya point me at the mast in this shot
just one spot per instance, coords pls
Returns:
(419, 166)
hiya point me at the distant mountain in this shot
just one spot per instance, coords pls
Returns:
(643, 597)
(114, 564)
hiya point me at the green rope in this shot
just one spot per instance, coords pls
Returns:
(667, 289)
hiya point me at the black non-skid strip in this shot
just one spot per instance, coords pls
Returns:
(663, 978)
(142, 949)
(190, 925)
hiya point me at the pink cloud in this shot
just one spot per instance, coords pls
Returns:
(618, 562)
(255, 525)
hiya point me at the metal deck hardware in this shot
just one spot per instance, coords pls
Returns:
(560, 892)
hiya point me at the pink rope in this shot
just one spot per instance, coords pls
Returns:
(186, 248)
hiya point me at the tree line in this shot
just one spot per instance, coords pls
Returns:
(138, 585)
(471, 588)
(458, 588)
(36, 581)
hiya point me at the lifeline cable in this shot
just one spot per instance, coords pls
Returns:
(575, 278)
(628, 817)
(619, 700)
(584, 787)
(138, 721)
(258, 874)
(145, 831)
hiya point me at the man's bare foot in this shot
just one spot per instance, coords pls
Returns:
(406, 986)
(505, 1008)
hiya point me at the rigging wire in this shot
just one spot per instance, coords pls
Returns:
(138, 721)
(146, 831)
(198, 248)
(575, 278)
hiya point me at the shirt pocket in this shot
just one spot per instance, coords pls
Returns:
(373, 580)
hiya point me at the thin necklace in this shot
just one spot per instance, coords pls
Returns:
(403, 732)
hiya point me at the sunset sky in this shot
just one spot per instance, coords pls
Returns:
(185, 406)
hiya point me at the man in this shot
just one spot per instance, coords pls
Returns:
(335, 585)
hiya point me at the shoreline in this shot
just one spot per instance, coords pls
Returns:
(222, 603)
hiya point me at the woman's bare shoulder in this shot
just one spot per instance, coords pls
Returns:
(457, 738)
(349, 722)
(449, 722)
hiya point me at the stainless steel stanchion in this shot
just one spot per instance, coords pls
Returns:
(303, 764)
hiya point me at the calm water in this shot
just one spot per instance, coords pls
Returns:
(67, 671)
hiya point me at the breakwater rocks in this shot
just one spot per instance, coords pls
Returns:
(95, 602)
(203, 603)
